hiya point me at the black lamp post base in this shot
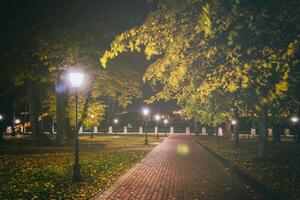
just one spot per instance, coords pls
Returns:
(76, 173)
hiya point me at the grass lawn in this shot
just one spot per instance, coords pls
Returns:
(42, 175)
(281, 172)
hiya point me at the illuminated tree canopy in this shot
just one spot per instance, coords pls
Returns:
(214, 57)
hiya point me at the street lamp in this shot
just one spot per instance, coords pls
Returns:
(146, 112)
(116, 121)
(76, 80)
(166, 121)
(295, 120)
(234, 122)
(1, 136)
(157, 118)
(17, 121)
(235, 134)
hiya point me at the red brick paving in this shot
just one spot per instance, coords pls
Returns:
(167, 174)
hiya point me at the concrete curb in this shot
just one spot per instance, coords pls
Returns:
(262, 189)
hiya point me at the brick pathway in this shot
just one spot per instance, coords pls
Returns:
(179, 168)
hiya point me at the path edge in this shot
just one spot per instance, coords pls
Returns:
(262, 189)
(108, 191)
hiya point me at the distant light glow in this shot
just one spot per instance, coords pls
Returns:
(157, 117)
(166, 121)
(1, 117)
(294, 119)
(146, 111)
(116, 121)
(234, 122)
(17, 121)
(76, 79)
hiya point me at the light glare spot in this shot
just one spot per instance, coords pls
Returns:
(183, 149)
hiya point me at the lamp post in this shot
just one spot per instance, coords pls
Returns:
(76, 80)
(1, 132)
(235, 134)
(157, 118)
(166, 121)
(116, 121)
(295, 120)
(146, 112)
(92, 131)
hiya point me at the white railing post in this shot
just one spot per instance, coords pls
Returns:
(270, 132)
(203, 131)
(171, 130)
(125, 129)
(155, 130)
(110, 129)
(140, 130)
(187, 130)
(253, 133)
(220, 131)
(95, 129)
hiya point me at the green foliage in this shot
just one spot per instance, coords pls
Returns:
(212, 56)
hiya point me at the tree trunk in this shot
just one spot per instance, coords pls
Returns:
(34, 112)
(227, 130)
(276, 134)
(109, 113)
(236, 138)
(196, 127)
(217, 135)
(64, 130)
(263, 133)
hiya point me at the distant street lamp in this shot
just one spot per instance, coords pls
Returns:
(166, 121)
(157, 118)
(234, 122)
(116, 121)
(295, 120)
(17, 121)
(1, 134)
(146, 112)
(76, 80)
(235, 133)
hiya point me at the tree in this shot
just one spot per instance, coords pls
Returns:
(223, 55)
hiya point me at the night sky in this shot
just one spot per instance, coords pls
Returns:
(118, 15)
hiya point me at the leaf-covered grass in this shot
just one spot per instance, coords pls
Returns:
(31, 171)
(281, 172)
(103, 142)
(49, 176)
(121, 141)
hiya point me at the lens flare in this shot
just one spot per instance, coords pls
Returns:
(183, 149)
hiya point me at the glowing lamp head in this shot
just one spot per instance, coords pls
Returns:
(234, 122)
(294, 119)
(1, 117)
(17, 121)
(116, 121)
(146, 111)
(166, 121)
(157, 117)
(76, 79)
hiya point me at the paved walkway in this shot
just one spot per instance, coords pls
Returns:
(179, 168)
